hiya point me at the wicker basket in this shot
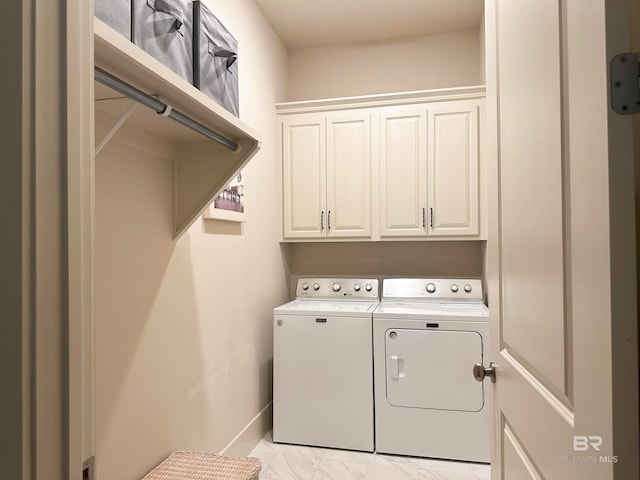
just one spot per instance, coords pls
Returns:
(205, 466)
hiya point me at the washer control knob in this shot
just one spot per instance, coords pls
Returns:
(356, 287)
(454, 288)
(305, 286)
(368, 287)
(316, 286)
(431, 287)
(336, 287)
(467, 288)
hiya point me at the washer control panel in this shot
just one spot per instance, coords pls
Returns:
(337, 288)
(438, 289)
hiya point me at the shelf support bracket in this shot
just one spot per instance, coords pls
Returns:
(116, 127)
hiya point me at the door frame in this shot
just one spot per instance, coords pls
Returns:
(47, 184)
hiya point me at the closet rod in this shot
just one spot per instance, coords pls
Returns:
(161, 108)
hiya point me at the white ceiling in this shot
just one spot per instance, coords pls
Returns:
(312, 23)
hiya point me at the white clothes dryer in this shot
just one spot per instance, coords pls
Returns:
(322, 364)
(428, 334)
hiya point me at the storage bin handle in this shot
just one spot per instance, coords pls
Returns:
(217, 51)
(170, 8)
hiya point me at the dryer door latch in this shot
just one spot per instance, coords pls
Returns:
(480, 371)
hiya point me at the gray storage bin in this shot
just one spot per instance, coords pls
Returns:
(164, 29)
(215, 55)
(116, 14)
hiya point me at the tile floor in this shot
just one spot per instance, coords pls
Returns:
(292, 462)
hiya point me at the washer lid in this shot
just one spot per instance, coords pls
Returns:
(327, 307)
(429, 310)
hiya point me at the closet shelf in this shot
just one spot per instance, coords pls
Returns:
(203, 166)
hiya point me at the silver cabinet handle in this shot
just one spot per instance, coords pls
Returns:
(329, 220)
(480, 371)
(322, 220)
(424, 218)
(431, 219)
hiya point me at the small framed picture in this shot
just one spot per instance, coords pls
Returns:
(229, 205)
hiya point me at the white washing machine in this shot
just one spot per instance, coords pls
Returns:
(428, 334)
(322, 364)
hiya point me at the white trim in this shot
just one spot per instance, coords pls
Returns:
(251, 434)
(381, 100)
(81, 230)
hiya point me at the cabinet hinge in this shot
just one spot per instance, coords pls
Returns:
(625, 83)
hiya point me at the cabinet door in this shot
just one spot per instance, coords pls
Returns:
(453, 169)
(304, 176)
(403, 172)
(349, 175)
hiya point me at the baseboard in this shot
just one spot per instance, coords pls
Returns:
(249, 436)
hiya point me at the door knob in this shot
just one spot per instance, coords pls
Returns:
(479, 372)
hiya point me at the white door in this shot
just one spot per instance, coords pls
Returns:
(304, 176)
(452, 142)
(403, 172)
(349, 175)
(561, 268)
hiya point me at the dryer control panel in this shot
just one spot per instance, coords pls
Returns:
(436, 289)
(358, 288)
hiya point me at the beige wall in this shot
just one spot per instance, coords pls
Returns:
(413, 259)
(183, 329)
(386, 259)
(418, 63)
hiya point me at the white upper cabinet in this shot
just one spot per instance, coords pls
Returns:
(349, 175)
(429, 170)
(327, 175)
(403, 172)
(453, 169)
(384, 167)
(304, 176)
